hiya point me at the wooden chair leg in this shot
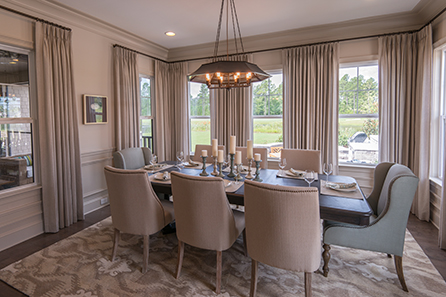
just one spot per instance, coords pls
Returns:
(254, 265)
(308, 284)
(399, 271)
(219, 268)
(326, 257)
(145, 264)
(180, 257)
(245, 249)
(115, 243)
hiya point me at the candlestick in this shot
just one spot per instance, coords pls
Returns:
(249, 150)
(232, 144)
(220, 169)
(215, 172)
(249, 175)
(214, 147)
(257, 178)
(203, 172)
(238, 177)
(231, 172)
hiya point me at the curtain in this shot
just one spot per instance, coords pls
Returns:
(405, 63)
(231, 111)
(442, 223)
(310, 113)
(61, 178)
(127, 103)
(171, 110)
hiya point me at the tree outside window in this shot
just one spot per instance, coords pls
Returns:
(146, 115)
(267, 114)
(199, 115)
(358, 132)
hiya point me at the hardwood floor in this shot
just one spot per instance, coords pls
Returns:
(424, 233)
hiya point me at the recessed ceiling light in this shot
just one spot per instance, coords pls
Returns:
(170, 33)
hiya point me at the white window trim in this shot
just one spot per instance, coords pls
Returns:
(152, 108)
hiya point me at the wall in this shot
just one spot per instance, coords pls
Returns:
(92, 44)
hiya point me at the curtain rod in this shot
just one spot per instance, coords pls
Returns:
(33, 17)
(135, 51)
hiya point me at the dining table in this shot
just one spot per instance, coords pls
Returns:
(334, 207)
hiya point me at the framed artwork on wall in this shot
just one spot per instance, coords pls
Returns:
(95, 109)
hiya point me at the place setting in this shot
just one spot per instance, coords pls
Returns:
(154, 166)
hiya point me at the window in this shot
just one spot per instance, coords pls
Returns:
(199, 115)
(438, 124)
(16, 123)
(146, 116)
(267, 114)
(358, 114)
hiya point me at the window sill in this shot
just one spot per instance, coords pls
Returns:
(357, 165)
(436, 181)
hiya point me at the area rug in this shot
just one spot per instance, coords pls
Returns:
(80, 266)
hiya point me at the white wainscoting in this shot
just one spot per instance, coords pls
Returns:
(435, 199)
(20, 215)
(93, 179)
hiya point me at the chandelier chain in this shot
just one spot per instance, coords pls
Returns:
(217, 39)
(238, 27)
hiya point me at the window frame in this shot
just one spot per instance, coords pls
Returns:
(360, 63)
(150, 142)
(191, 117)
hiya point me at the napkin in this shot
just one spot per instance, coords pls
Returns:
(339, 186)
(297, 172)
(192, 164)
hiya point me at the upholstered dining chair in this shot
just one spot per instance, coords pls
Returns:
(132, 158)
(283, 229)
(391, 199)
(263, 151)
(135, 208)
(203, 217)
(302, 159)
(200, 147)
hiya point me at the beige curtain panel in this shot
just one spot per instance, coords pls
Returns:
(171, 110)
(232, 111)
(310, 113)
(442, 223)
(58, 129)
(405, 63)
(127, 103)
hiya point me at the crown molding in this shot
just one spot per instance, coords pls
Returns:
(354, 29)
(46, 9)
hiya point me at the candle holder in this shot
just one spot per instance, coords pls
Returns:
(257, 178)
(249, 175)
(231, 169)
(220, 168)
(215, 172)
(204, 173)
(239, 177)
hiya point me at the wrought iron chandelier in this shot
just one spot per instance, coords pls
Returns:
(228, 74)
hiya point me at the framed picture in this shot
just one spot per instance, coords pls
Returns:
(95, 109)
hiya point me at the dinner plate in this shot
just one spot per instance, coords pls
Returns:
(289, 173)
(160, 176)
(154, 166)
(351, 189)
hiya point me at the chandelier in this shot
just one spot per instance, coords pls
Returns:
(226, 74)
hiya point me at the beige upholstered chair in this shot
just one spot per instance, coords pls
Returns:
(302, 159)
(135, 208)
(263, 151)
(203, 217)
(132, 158)
(200, 147)
(283, 229)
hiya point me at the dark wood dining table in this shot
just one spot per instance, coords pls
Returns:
(333, 208)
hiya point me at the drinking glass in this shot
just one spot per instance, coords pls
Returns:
(328, 169)
(154, 160)
(282, 165)
(309, 177)
(180, 158)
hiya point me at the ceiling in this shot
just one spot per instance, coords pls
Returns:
(195, 21)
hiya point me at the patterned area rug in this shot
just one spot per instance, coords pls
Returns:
(80, 266)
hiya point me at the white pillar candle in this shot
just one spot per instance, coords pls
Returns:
(214, 147)
(250, 151)
(204, 153)
(238, 157)
(232, 144)
(221, 156)
(257, 157)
